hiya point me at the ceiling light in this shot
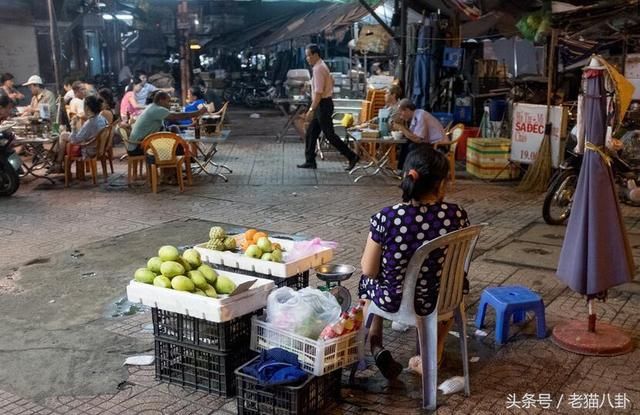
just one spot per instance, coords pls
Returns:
(195, 46)
(107, 16)
(123, 16)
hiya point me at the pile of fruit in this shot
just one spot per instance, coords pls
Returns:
(184, 272)
(258, 245)
(349, 322)
(219, 241)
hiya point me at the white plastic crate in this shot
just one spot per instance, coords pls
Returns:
(212, 309)
(317, 357)
(239, 261)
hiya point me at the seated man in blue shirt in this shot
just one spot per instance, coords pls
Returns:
(424, 128)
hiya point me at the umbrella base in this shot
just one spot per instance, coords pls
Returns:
(606, 341)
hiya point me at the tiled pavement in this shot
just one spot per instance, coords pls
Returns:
(267, 191)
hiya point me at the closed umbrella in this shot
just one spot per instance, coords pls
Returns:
(421, 69)
(596, 254)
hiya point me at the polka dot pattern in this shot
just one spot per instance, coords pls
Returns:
(401, 230)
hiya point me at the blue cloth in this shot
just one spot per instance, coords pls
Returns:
(276, 367)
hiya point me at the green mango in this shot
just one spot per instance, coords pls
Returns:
(168, 253)
(182, 283)
(171, 268)
(224, 285)
(144, 275)
(162, 281)
(154, 264)
(198, 279)
(211, 292)
(209, 273)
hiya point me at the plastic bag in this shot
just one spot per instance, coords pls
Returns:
(307, 248)
(305, 312)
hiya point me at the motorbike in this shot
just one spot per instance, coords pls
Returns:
(10, 165)
(559, 197)
(260, 95)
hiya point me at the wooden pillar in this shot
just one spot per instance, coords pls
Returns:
(185, 53)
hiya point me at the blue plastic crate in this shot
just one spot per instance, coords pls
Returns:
(445, 118)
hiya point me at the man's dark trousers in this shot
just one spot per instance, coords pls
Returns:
(323, 122)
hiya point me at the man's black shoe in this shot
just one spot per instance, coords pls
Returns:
(352, 163)
(307, 166)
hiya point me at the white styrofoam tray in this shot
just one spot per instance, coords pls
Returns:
(217, 310)
(286, 269)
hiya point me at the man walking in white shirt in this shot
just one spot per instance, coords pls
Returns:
(320, 115)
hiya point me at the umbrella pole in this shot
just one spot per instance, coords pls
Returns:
(592, 318)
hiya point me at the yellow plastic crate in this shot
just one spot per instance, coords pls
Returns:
(488, 158)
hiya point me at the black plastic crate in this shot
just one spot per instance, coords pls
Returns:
(314, 395)
(198, 368)
(222, 337)
(296, 282)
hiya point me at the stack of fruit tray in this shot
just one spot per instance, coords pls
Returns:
(311, 397)
(200, 341)
(293, 274)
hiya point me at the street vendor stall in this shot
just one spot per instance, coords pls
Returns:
(205, 306)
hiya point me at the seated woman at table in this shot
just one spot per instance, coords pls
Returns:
(392, 100)
(396, 232)
(195, 101)
(108, 105)
(91, 127)
(129, 106)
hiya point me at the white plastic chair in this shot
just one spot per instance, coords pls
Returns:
(458, 247)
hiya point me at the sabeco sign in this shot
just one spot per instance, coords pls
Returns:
(527, 132)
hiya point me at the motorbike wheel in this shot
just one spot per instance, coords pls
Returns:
(9, 179)
(557, 202)
(251, 101)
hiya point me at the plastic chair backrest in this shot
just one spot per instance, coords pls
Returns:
(223, 113)
(365, 111)
(163, 145)
(102, 140)
(458, 246)
(456, 131)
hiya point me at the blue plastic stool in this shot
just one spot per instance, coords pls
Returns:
(513, 300)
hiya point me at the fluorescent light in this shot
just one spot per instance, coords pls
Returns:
(107, 16)
(196, 22)
(122, 16)
(195, 46)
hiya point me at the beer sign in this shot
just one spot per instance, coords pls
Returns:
(527, 132)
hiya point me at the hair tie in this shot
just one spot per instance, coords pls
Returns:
(413, 173)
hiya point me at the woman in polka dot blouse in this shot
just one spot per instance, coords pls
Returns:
(396, 232)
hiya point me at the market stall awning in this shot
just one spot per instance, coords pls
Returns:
(334, 18)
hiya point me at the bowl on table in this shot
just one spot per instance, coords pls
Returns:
(396, 135)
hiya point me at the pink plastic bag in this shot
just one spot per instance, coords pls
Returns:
(304, 249)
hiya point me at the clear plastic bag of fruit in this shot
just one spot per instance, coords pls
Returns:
(305, 312)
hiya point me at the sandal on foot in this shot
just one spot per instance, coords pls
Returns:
(389, 368)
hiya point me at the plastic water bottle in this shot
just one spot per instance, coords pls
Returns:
(44, 111)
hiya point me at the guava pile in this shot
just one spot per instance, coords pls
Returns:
(184, 272)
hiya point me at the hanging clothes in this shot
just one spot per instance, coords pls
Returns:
(422, 68)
